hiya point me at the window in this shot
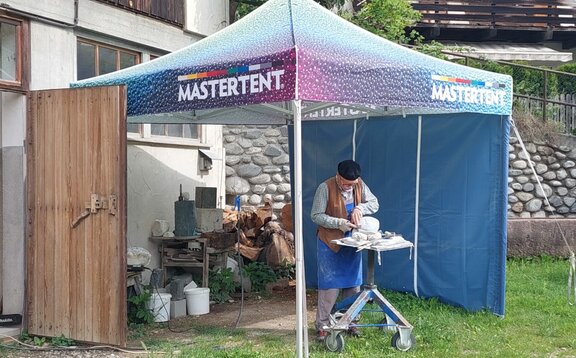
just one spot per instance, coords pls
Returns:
(176, 130)
(95, 59)
(14, 52)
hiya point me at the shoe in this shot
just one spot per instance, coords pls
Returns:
(321, 335)
(354, 332)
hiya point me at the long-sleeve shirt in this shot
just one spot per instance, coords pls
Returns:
(368, 206)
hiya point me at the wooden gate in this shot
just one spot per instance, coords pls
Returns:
(76, 212)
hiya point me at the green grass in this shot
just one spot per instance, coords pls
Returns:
(539, 322)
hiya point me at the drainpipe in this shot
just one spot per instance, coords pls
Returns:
(76, 12)
(227, 11)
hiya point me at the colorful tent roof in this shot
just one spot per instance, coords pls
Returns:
(296, 49)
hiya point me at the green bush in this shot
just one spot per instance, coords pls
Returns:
(260, 274)
(286, 270)
(221, 284)
(567, 84)
(138, 310)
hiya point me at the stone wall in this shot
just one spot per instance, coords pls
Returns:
(555, 165)
(257, 165)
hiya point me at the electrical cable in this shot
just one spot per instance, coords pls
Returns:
(155, 288)
(169, 321)
(240, 262)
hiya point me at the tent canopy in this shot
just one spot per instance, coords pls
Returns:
(296, 49)
(431, 135)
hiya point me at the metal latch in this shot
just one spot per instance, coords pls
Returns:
(95, 204)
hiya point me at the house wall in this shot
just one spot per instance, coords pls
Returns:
(206, 16)
(155, 167)
(154, 177)
(12, 201)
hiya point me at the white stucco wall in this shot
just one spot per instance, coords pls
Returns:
(154, 178)
(106, 19)
(206, 16)
(53, 59)
(12, 205)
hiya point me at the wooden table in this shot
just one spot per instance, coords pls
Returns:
(182, 242)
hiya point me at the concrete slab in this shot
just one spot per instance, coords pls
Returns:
(208, 220)
(6, 332)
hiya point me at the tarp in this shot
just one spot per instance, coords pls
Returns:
(444, 190)
(438, 162)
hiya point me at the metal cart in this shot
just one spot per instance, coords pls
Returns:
(346, 312)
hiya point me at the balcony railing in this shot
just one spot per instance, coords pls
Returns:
(556, 15)
(544, 100)
(170, 11)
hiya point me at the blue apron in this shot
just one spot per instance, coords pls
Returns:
(342, 269)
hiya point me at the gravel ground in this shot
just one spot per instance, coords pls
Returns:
(99, 353)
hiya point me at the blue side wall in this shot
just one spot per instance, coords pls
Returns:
(461, 241)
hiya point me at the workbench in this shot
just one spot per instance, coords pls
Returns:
(176, 252)
(196, 252)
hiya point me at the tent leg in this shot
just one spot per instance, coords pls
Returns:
(301, 316)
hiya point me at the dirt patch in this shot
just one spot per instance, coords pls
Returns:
(271, 311)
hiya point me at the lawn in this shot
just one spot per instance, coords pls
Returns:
(539, 322)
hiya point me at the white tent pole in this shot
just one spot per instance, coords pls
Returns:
(300, 279)
(417, 205)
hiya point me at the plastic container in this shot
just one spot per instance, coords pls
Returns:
(159, 304)
(197, 300)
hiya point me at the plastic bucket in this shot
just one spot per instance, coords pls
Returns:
(197, 300)
(159, 304)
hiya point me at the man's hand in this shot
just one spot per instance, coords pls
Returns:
(356, 216)
(345, 225)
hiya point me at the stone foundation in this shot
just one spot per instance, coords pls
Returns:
(535, 237)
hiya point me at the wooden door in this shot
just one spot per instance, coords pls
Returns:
(76, 208)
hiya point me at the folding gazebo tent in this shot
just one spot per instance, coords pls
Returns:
(292, 61)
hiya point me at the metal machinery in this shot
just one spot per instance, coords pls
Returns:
(346, 312)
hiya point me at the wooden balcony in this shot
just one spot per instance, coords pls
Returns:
(480, 20)
(170, 11)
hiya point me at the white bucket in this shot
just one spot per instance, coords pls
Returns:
(197, 300)
(159, 304)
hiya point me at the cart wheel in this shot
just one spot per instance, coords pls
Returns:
(387, 327)
(334, 342)
(397, 343)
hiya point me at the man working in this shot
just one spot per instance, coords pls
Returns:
(339, 204)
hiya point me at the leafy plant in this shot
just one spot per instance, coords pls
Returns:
(138, 310)
(62, 341)
(566, 83)
(31, 339)
(388, 19)
(432, 48)
(286, 269)
(221, 284)
(260, 274)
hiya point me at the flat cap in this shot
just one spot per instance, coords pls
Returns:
(349, 170)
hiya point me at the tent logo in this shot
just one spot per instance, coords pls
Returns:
(468, 91)
(244, 82)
